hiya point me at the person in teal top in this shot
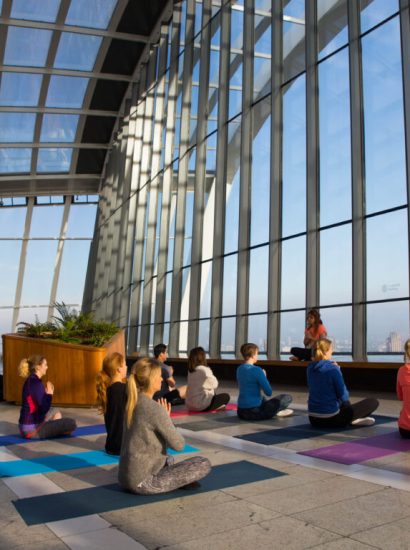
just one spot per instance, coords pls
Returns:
(252, 381)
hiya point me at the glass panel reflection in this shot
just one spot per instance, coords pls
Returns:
(387, 328)
(332, 25)
(77, 51)
(229, 285)
(33, 10)
(95, 14)
(15, 160)
(17, 127)
(59, 128)
(375, 11)
(26, 47)
(260, 186)
(20, 89)
(54, 160)
(66, 91)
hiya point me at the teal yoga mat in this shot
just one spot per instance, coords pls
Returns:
(97, 500)
(61, 463)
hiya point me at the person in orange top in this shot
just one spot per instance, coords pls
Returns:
(315, 330)
(403, 393)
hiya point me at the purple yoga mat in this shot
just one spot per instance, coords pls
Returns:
(361, 450)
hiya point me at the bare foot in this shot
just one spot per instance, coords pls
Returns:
(293, 358)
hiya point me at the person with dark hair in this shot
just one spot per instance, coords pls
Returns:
(144, 466)
(252, 382)
(38, 420)
(315, 329)
(200, 394)
(169, 390)
(111, 399)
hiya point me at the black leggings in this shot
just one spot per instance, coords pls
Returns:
(404, 433)
(218, 400)
(303, 354)
(346, 415)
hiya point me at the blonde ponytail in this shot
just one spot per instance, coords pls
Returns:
(407, 351)
(110, 366)
(29, 366)
(322, 347)
(142, 373)
(23, 368)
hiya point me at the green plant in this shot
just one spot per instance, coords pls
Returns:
(72, 327)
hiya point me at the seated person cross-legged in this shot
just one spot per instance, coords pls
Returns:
(315, 329)
(169, 390)
(328, 403)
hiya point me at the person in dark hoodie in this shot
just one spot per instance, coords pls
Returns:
(328, 403)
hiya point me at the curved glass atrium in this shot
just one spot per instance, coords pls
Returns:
(250, 161)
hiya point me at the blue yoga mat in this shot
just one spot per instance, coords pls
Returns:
(60, 463)
(97, 500)
(16, 439)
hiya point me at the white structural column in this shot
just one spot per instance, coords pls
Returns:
(200, 179)
(59, 256)
(177, 312)
(312, 159)
(167, 177)
(242, 296)
(220, 184)
(22, 265)
(159, 92)
(275, 228)
(358, 187)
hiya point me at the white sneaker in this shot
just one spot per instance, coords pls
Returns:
(285, 412)
(367, 421)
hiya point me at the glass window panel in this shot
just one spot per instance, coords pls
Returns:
(293, 49)
(334, 139)
(263, 34)
(26, 47)
(20, 89)
(383, 118)
(292, 328)
(338, 323)
(387, 328)
(168, 292)
(54, 160)
(66, 91)
(198, 17)
(261, 74)
(232, 186)
(206, 286)
(260, 187)
(209, 198)
(17, 127)
(183, 337)
(294, 158)
(257, 331)
(13, 160)
(336, 276)
(186, 283)
(95, 14)
(6, 318)
(259, 279)
(189, 212)
(33, 314)
(33, 10)
(46, 221)
(59, 128)
(73, 270)
(332, 25)
(9, 266)
(38, 275)
(294, 8)
(77, 51)
(293, 273)
(165, 336)
(375, 11)
(203, 335)
(12, 222)
(229, 285)
(228, 327)
(387, 256)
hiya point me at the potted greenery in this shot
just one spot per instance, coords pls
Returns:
(74, 344)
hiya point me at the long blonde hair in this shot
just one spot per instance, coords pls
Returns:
(142, 373)
(407, 351)
(322, 347)
(111, 363)
(29, 365)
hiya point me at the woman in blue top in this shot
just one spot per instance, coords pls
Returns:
(328, 404)
(252, 382)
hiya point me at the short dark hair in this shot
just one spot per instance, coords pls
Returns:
(197, 356)
(248, 350)
(159, 348)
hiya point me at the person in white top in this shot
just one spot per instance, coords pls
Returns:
(200, 394)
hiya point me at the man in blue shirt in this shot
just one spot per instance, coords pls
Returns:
(252, 382)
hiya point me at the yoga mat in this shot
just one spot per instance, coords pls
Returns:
(60, 463)
(97, 500)
(16, 439)
(303, 431)
(186, 412)
(361, 450)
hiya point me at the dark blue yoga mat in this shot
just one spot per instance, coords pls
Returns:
(303, 431)
(16, 439)
(97, 500)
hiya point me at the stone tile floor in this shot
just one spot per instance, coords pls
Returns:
(318, 504)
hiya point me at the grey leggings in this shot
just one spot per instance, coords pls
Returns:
(52, 428)
(173, 476)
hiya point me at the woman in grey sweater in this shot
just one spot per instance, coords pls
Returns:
(144, 465)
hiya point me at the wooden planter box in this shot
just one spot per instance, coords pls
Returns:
(72, 368)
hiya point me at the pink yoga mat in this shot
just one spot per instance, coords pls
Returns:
(186, 412)
(361, 450)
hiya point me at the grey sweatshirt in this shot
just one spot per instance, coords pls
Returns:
(201, 388)
(143, 449)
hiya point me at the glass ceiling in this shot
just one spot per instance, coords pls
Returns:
(33, 137)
